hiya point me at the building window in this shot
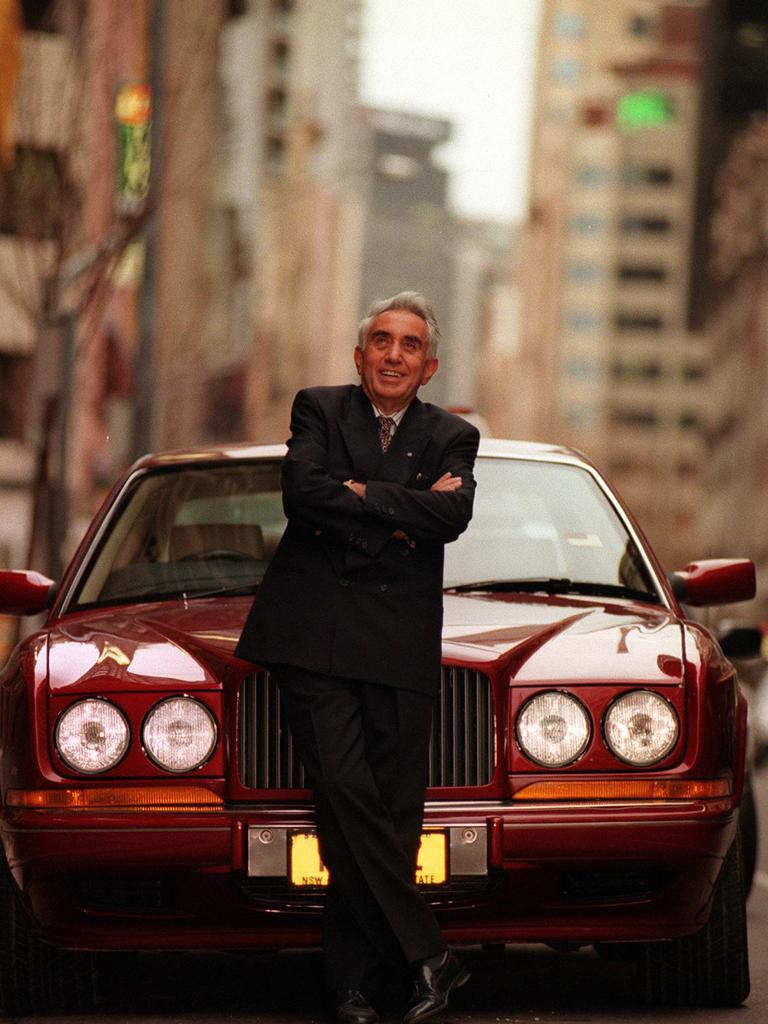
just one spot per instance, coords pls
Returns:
(629, 321)
(640, 25)
(636, 372)
(693, 372)
(568, 25)
(589, 224)
(283, 10)
(584, 271)
(634, 273)
(276, 153)
(595, 115)
(15, 380)
(38, 15)
(281, 54)
(398, 167)
(566, 69)
(277, 101)
(33, 195)
(593, 177)
(689, 421)
(634, 418)
(632, 224)
(638, 174)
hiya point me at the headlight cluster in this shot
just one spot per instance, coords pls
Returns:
(554, 728)
(178, 734)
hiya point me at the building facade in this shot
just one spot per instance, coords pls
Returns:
(616, 365)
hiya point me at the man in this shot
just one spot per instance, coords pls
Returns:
(348, 618)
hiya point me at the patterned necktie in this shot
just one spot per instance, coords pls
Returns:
(385, 431)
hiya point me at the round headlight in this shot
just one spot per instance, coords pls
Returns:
(179, 734)
(641, 728)
(553, 729)
(92, 736)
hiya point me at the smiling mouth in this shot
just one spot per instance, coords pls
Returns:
(391, 374)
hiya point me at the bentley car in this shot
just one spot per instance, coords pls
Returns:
(587, 758)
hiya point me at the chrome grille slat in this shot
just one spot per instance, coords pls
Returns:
(461, 750)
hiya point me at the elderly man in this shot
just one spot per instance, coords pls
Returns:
(348, 618)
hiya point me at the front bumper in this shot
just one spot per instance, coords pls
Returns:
(582, 873)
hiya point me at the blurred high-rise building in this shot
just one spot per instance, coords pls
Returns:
(612, 357)
(731, 300)
(291, 188)
(409, 237)
(39, 83)
(182, 212)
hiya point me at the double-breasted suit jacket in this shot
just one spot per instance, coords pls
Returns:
(342, 596)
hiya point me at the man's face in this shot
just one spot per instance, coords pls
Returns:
(394, 363)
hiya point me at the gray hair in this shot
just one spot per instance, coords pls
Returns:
(412, 302)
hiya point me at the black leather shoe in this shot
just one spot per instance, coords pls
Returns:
(353, 1008)
(434, 982)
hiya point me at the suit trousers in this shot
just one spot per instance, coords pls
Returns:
(365, 748)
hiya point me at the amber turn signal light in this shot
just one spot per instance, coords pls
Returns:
(629, 789)
(114, 798)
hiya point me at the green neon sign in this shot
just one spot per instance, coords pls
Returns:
(647, 108)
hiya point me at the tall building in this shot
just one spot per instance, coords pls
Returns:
(731, 301)
(616, 365)
(302, 258)
(183, 215)
(410, 233)
(37, 192)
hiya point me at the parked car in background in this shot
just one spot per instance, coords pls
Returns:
(587, 761)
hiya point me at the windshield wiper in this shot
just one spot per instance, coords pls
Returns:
(231, 590)
(554, 585)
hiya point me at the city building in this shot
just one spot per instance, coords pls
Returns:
(302, 213)
(731, 301)
(409, 240)
(616, 365)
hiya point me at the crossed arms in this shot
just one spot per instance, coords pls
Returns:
(367, 515)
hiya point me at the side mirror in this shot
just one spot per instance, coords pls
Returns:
(23, 592)
(714, 581)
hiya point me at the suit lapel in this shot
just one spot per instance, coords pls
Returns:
(407, 447)
(361, 436)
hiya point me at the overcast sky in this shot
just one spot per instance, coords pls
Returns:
(473, 62)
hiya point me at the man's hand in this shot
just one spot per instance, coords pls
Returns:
(358, 488)
(447, 483)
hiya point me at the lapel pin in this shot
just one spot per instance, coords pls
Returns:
(409, 454)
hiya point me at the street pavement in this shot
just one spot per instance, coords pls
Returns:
(515, 985)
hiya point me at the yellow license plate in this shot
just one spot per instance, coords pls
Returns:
(307, 868)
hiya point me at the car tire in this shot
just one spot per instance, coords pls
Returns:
(749, 833)
(36, 977)
(711, 967)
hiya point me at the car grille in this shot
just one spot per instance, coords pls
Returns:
(461, 751)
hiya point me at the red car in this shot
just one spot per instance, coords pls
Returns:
(587, 760)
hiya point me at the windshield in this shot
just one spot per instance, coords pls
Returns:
(207, 530)
(189, 531)
(545, 522)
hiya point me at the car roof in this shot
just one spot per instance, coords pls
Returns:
(489, 446)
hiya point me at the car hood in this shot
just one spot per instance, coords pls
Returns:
(533, 638)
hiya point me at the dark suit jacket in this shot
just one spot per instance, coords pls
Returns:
(341, 596)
